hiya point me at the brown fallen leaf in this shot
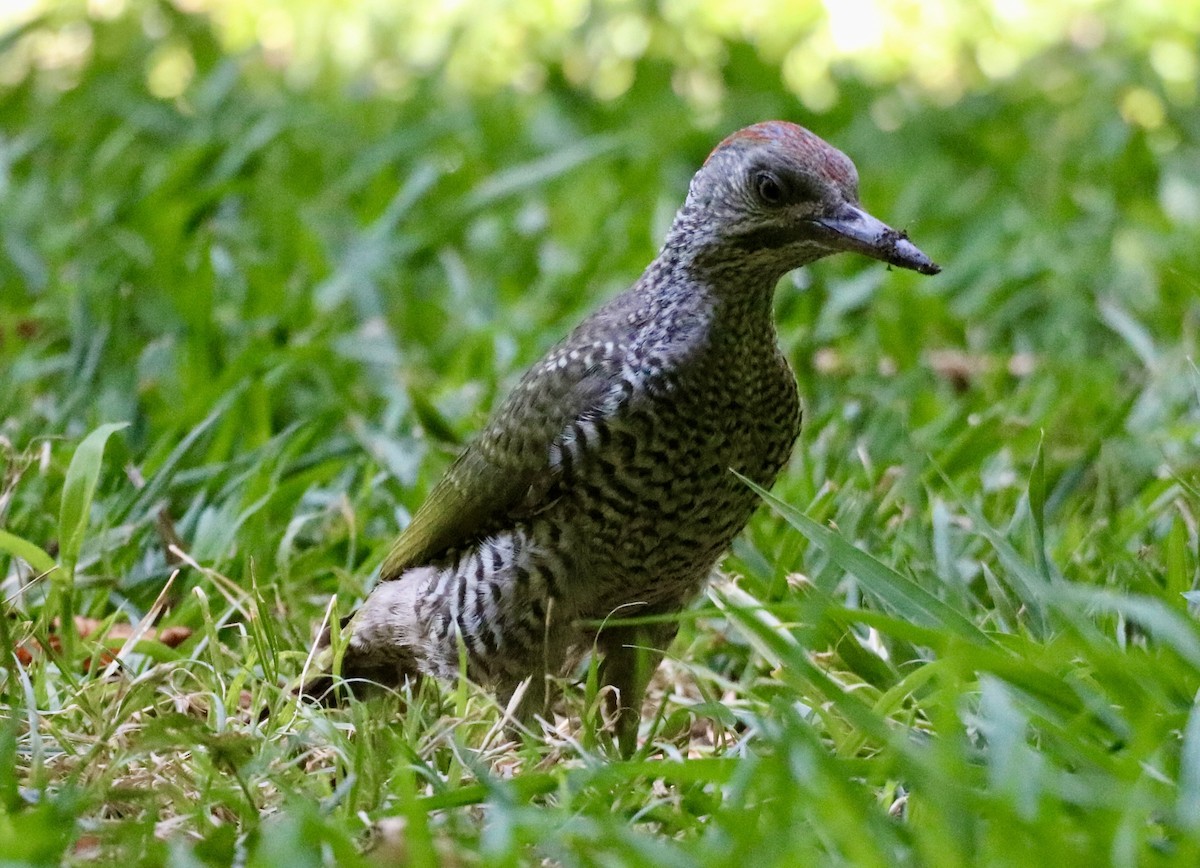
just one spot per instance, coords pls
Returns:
(89, 628)
(122, 630)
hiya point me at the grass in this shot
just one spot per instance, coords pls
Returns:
(959, 631)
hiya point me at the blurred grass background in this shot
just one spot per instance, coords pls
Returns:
(302, 248)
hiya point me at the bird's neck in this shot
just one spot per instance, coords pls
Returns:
(738, 292)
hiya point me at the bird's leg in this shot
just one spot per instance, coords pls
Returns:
(631, 654)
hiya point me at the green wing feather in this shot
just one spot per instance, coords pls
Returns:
(506, 472)
(457, 509)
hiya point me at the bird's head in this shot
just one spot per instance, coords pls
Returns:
(773, 196)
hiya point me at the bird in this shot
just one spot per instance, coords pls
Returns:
(606, 485)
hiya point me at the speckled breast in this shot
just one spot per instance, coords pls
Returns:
(659, 504)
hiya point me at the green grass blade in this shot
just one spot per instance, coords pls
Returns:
(1187, 803)
(902, 594)
(1037, 509)
(32, 554)
(1153, 616)
(1029, 584)
(78, 490)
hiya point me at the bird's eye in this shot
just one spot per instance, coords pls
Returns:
(769, 190)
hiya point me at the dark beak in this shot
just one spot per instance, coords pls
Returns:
(851, 228)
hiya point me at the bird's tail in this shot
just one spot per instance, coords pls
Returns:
(383, 636)
(362, 670)
(358, 677)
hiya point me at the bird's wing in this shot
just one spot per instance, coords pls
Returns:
(509, 470)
